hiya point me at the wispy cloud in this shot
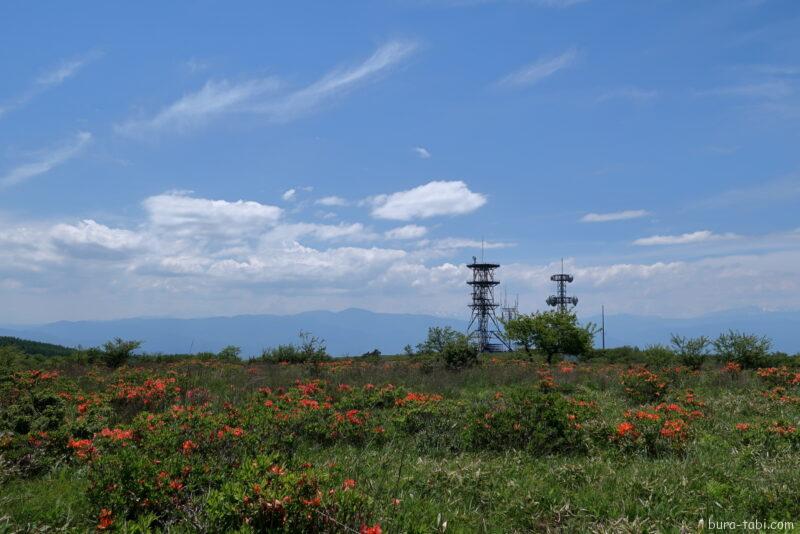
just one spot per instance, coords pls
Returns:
(769, 90)
(265, 96)
(614, 216)
(683, 239)
(765, 193)
(47, 160)
(422, 152)
(539, 70)
(635, 94)
(196, 109)
(337, 82)
(48, 79)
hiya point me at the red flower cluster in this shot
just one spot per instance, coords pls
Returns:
(418, 398)
(117, 434)
(674, 429)
(83, 448)
(105, 519)
(732, 367)
(153, 389)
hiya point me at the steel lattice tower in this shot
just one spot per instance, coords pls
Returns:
(484, 329)
(560, 300)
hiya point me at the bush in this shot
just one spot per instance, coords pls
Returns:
(263, 496)
(523, 419)
(311, 349)
(118, 351)
(748, 350)
(231, 352)
(642, 385)
(691, 351)
(459, 353)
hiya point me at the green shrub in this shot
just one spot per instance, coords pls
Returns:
(118, 351)
(266, 497)
(459, 353)
(748, 350)
(691, 351)
(524, 419)
(311, 349)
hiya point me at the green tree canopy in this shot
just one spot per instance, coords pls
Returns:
(551, 333)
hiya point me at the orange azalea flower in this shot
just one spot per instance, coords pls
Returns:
(105, 519)
(374, 529)
(625, 428)
(348, 484)
(188, 446)
(742, 426)
(277, 470)
(675, 428)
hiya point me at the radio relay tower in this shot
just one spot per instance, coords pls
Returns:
(560, 300)
(484, 329)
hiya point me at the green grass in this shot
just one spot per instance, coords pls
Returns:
(56, 499)
(433, 481)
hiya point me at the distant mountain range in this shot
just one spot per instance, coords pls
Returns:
(354, 331)
(782, 327)
(348, 332)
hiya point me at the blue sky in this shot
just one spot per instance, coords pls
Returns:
(193, 159)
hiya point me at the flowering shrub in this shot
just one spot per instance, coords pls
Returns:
(642, 385)
(266, 497)
(655, 430)
(523, 418)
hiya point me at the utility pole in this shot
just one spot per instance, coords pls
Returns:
(603, 323)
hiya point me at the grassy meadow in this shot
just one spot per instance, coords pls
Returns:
(401, 444)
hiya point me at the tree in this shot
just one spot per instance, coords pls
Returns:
(551, 333)
(117, 351)
(748, 350)
(691, 350)
(438, 338)
(231, 352)
(521, 330)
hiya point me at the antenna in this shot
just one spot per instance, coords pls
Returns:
(484, 329)
(560, 300)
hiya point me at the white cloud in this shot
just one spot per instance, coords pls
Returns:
(188, 215)
(332, 201)
(323, 232)
(89, 235)
(700, 236)
(422, 152)
(450, 243)
(289, 195)
(47, 160)
(409, 231)
(49, 79)
(540, 69)
(195, 109)
(264, 96)
(337, 82)
(614, 216)
(429, 200)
